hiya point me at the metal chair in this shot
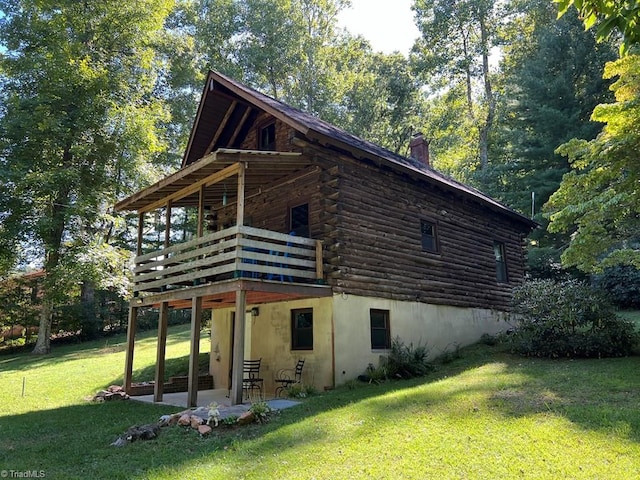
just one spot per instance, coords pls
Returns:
(251, 377)
(287, 377)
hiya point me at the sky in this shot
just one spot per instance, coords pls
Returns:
(387, 24)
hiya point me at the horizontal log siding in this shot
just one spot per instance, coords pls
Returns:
(379, 248)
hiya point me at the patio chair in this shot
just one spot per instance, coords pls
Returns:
(251, 377)
(287, 377)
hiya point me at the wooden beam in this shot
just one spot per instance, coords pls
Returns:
(192, 389)
(131, 338)
(239, 126)
(194, 187)
(158, 388)
(221, 127)
(319, 262)
(140, 233)
(238, 348)
(167, 224)
(241, 195)
(201, 212)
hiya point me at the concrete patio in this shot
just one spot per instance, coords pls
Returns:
(206, 397)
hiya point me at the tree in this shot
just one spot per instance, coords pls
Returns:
(77, 122)
(609, 16)
(598, 201)
(457, 38)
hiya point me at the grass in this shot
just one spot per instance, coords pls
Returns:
(487, 414)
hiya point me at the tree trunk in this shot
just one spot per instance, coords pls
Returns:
(485, 128)
(43, 343)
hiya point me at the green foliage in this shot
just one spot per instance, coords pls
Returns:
(403, 361)
(261, 410)
(568, 319)
(229, 421)
(598, 201)
(622, 285)
(608, 16)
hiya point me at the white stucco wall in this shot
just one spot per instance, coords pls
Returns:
(440, 327)
(341, 324)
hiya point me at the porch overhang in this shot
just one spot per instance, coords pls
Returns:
(209, 174)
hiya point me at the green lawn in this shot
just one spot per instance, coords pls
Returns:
(486, 415)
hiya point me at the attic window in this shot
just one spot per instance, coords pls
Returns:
(267, 137)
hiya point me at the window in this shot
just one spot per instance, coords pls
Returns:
(299, 220)
(380, 332)
(267, 137)
(429, 237)
(302, 329)
(501, 262)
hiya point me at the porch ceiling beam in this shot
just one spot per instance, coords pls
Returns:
(221, 127)
(194, 187)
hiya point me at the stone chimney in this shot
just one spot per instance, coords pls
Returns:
(419, 147)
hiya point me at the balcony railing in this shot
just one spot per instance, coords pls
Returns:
(236, 252)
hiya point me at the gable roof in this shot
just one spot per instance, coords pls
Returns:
(221, 94)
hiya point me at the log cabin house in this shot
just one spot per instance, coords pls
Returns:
(328, 245)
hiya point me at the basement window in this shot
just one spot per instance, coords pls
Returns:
(302, 329)
(267, 137)
(380, 331)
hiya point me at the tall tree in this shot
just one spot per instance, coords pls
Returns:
(551, 81)
(78, 120)
(599, 201)
(455, 46)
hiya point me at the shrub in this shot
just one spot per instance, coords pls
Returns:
(568, 319)
(622, 284)
(404, 361)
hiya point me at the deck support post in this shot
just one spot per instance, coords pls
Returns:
(131, 338)
(196, 315)
(238, 348)
(158, 387)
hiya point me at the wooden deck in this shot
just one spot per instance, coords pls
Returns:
(211, 267)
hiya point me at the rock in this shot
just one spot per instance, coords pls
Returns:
(115, 389)
(246, 418)
(142, 432)
(204, 430)
(196, 421)
(184, 419)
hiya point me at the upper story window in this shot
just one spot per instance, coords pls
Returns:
(267, 137)
(299, 220)
(501, 262)
(429, 236)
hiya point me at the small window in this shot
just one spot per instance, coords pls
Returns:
(302, 329)
(380, 331)
(429, 236)
(501, 262)
(267, 137)
(299, 223)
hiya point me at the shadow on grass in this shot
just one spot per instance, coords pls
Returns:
(73, 351)
(172, 367)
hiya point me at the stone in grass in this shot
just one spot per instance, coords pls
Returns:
(204, 430)
(246, 418)
(196, 421)
(137, 432)
(184, 419)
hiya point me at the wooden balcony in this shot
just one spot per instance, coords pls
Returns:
(230, 254)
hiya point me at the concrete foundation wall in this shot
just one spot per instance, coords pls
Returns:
(268, 336)
(440, 327)
(342, 324)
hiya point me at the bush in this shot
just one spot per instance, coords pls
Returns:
(402, 362)
(568, 319)
(622, 285)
